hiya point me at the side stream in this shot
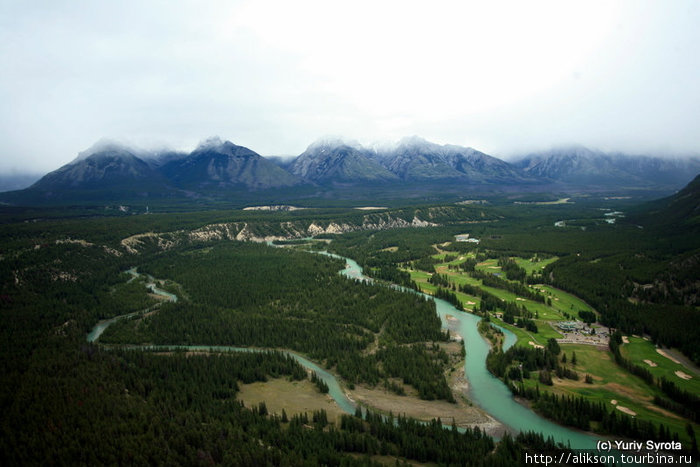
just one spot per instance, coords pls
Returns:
(334, 389)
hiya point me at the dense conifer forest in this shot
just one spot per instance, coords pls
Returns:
(295, 300)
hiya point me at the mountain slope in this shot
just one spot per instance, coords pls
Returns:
(113, 167)
(581, 166)
(416, 159)
(106, 171)
(679, 212)
(217, 164)
(334, 161)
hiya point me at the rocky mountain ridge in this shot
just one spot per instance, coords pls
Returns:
(339, 162)
(414, 158)
(219, 164)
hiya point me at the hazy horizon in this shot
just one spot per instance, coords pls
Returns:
(506, 78)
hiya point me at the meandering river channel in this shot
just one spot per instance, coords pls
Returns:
(485, 390)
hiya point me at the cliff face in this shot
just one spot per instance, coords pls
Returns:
(271, 231)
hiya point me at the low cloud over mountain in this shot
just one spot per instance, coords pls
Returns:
(219, 169)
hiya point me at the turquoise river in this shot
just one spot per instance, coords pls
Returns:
(485, 390)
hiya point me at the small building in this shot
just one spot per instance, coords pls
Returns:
(568, 326)
(466, 238)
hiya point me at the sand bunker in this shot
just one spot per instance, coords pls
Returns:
(667, 355)
(613, 402)
(650, 363)
(537, 346)
(625, 340)
(471, 303)
(626, 410)
(680, 374)
(520, 299)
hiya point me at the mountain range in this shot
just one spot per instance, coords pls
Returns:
(221, 170)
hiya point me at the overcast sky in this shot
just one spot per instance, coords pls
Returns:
(503, 77)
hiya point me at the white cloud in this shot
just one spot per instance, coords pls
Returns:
(273, 75)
